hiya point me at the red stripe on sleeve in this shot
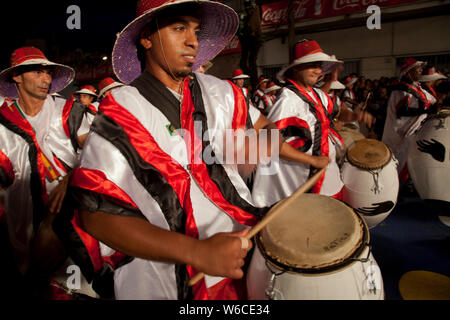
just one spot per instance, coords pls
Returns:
(240, 108)
(6, 165)
(65, 117)
(96, 181)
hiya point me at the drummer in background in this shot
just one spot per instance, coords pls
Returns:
(87, 96)
(408, 105)
(429, 80)
(238, 78)
(268, 98)
(304, 116)
(106, 86)
(260, 89)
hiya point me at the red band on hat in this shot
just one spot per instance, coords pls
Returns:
(23, 54)
(306, 48)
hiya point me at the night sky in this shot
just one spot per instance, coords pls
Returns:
(100, 21)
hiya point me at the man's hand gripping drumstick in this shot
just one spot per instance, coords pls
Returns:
(275, 211)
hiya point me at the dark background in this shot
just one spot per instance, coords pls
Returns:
(43, 25)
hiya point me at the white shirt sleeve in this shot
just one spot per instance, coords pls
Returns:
(85, 124)
(253, 113)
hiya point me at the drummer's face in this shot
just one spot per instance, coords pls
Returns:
(308, 74)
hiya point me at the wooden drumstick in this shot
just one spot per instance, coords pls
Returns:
(275, 211)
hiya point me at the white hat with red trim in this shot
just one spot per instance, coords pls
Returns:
(430, 74)
(349, 81)
(107, 84)
(272, 87)
(306, 51)
(261, 80)
(90, 90)
(336, 85)
(238, 74)
(409, 64)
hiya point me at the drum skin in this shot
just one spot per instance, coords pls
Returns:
(360, 191)
(429, 158)
(357, 281)
(317, 248)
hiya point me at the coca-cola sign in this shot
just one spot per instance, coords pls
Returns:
(276, 13)
(232, 47)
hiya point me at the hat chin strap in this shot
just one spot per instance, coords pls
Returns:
(165, 59)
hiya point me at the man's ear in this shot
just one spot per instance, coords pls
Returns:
(146, 43)
(17, 78)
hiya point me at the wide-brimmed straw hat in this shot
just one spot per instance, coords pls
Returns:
(336, 85)
(409, 64)
(306, 51)
(349, 81)
(62, 75)
(261, 80)
(219, 23)
(107, 84)
(430, 74)
(238, 74)
(271, 87)
(90, 90)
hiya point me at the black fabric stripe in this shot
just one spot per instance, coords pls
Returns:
(76, 114)
(404, 111)
(155, 184)
(317, 141)
(303, 133)
(87, 200)
(102, 281)
(63, 228)
(159, 96)
(216, 171)
(35, 178)
(5, 181)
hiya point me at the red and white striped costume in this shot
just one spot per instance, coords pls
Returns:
(304, 119)
(163, 179)
(408, 105)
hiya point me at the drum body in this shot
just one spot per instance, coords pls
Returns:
(429, 159)
(318, 250)
(370, 180)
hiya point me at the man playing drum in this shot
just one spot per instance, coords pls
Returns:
(145, 186)
(408, 105)
(39, 138)
(304, 115)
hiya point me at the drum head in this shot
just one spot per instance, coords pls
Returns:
(369, 154)
(315, 234)
(350, 136)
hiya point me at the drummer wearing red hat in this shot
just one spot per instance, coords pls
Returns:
(106, 86)
(408, 105)
(304, 115)
(238, 77)
(40, 135)
(260, 87)
(87, 96)
(429, 79)
(143, 189)
(268, 98)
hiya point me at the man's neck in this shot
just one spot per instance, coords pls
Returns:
(175, 84)
(303, 85)
(30, 105)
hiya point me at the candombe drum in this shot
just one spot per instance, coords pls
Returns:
(317, 249)
(429, 158)
(370, 179)
(350, 136)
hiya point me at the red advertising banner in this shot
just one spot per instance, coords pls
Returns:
(276, 13)
(232, 47)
